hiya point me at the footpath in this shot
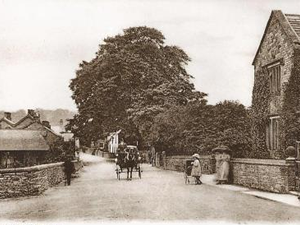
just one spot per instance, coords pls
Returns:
(290, 199)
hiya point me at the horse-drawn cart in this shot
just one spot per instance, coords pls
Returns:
(127, 162)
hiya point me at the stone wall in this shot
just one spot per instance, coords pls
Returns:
(276, 47)
(264, 174)
(177, 163)
(297, 180)
(26, 181)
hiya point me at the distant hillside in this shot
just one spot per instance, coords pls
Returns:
(53, 116)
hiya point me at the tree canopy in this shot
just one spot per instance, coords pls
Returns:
(198, 127)
(134, 77)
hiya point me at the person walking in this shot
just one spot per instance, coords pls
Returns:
(196, 169)
(153, 156)
(69, 169)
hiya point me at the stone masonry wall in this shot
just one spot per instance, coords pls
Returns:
(18, 182)
(177, 163)
(269, 175)
(276, 46)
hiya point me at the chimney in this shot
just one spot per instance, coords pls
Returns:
(31, 112)
(7, 115)
(34, 114)
(46, 124)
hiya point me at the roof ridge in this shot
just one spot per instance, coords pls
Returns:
(7, 120)
(22, 119)
(292, 28)
(290, 14)
(52, 131)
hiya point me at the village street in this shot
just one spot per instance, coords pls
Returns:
(96, 194)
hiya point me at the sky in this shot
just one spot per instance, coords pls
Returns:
(42, 43)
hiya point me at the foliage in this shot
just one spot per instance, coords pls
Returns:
(59, 151)
(231, 124)
(291, 106)
(289, 113)
(198, 127)
(259, 114)
(133, 78)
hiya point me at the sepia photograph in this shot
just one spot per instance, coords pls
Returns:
(149, 112)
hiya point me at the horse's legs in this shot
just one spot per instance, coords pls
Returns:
(131, 168)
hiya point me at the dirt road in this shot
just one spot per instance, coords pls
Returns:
(160, 195)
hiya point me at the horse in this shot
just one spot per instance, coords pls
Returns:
(130, 163)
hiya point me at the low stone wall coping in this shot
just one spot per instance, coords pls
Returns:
(31, 168)
(271, 162)
(188, 156)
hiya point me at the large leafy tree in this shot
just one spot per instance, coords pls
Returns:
(134, 77)
(198, 127)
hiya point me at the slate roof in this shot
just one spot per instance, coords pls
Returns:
(22, 140)
(14, 125)
(294, 21)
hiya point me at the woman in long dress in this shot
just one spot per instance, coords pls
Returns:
(196, 169)
(224, 168)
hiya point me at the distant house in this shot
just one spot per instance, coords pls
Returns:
(277, 56)
(21, 148)
(113, 141)
(67, 135)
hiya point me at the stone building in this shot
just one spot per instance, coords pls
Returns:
(26, 142)
(19, 148)
(275, 60)
(31, 122)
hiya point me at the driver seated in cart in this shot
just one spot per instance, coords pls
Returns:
(120, 155)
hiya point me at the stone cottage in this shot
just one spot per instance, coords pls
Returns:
(26, 142)
(19, 148)
(276, 60)
(31, 122)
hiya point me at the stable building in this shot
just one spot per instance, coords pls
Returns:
(19, 148)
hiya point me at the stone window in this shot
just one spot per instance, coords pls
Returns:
(273, 133)
(274, 71)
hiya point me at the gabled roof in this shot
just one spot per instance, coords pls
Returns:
(113, 134)
(290, 23)
(22, 140)
(24, 118)
(11, 123)
(34, 121)
(52, 131)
